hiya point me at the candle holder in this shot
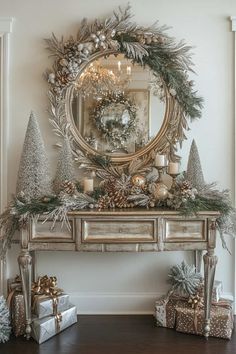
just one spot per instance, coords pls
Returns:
(161, 170)
(174, 185)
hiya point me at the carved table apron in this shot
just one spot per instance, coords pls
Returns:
(130, 230)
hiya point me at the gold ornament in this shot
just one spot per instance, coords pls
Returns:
(138, 181)
(159, 191)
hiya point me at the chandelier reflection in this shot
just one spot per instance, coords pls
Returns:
(97, 81)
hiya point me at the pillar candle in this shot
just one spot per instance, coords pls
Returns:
(160, 160)
(88, 184)
(173, 168)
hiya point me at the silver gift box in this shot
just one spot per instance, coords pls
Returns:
(45, 328)
(43, 308)
(217, 291)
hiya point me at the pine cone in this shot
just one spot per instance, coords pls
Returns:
(109, 185)
(105, 202)
(68, 187)
(186, 187)
(119, 198)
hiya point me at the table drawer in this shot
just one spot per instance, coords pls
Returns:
(118, 230)
(43, 232)
(177, 230)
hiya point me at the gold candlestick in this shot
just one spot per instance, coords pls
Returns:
(174, 185)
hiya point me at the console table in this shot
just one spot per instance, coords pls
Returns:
(130, 230)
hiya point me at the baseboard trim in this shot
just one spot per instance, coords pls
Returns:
(91, 303)
(115, 303)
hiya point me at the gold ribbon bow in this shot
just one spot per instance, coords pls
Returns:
(197, 302)
(46, 287)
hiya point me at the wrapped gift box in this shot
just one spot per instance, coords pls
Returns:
(17, 310)
(13, 283)
(16, 305)
(45, 328)
(217, 291)
(165, 310)
(189, 320)
(43, 307)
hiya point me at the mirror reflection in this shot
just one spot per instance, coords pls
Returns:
(117, 106)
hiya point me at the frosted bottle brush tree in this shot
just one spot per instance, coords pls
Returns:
(33, 175)
(194, 169)
(65, 166)
(5, 328)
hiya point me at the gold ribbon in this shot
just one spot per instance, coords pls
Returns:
(18, 289)
(197, 303)
(58, 319)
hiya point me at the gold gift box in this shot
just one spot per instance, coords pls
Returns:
(189, 320)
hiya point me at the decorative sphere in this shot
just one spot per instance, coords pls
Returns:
(80, 47)
(160, 191)
(102, 37)
(138, 181)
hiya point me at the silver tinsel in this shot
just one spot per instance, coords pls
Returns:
(5, 328)
(65, 166)
(33, 175)
(194, 170)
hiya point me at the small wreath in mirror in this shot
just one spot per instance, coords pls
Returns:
(115, 118)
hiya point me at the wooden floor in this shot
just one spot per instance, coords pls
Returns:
(120, 335)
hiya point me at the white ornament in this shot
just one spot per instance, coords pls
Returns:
(172, 92)
(51, 78)
(80, 47)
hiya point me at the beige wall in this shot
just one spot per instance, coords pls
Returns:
(125, 282)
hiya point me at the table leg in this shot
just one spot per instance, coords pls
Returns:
(25, 264)
(198, 260)
(210, 261)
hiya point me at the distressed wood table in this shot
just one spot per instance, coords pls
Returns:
(127, 230)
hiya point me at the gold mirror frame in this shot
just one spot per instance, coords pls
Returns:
(158, 143)
(150, 46)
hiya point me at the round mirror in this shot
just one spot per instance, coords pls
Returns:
(121, 92)
(118, 106)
